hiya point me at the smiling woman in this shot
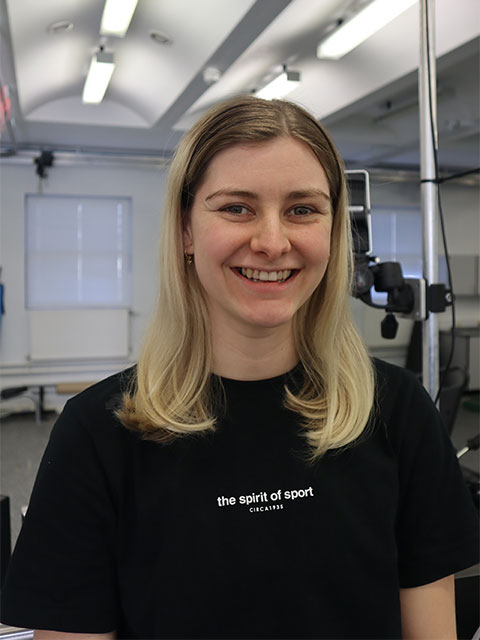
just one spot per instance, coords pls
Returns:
(305, 509)
(238, 182)
(260, 251)
(258, 185)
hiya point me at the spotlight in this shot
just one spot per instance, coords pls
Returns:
(44, 161)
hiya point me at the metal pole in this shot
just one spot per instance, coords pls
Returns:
(428, 136)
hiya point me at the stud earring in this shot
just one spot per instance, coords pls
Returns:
(188, 258)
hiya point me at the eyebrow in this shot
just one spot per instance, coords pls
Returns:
(309, 193)
(241, 193)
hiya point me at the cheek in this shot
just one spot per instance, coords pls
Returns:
(327, 242)
(216, 243)
(211, 252)
(317, 247)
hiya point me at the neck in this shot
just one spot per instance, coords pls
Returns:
(258, 355)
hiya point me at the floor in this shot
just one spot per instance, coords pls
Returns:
(23, 442)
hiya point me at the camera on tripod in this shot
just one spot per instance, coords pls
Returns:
(410, 297)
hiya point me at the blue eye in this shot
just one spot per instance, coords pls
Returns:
(236, 209)
(301, 210)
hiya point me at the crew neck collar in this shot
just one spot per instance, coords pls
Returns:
(260, 381)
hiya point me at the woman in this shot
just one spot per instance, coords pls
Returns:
(257, 476)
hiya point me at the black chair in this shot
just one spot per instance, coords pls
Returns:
(5, 537)
(414, 351)
(455, 382)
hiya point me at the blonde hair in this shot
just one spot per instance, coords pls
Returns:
(174, 392)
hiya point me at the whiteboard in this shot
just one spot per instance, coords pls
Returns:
(70, 334)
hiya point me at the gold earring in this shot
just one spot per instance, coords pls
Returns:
(188, 258)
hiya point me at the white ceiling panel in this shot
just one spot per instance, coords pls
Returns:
(368, 99)
(148, 77)
(293, 34)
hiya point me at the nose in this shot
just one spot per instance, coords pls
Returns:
(270, 236)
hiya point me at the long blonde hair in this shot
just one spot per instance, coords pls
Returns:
(174, 392)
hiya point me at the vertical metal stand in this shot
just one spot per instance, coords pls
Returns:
(428, 135)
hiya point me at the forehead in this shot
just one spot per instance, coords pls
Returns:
(279, 160)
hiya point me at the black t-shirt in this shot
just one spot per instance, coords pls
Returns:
(233, 534)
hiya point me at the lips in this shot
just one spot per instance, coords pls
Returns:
(257, 275)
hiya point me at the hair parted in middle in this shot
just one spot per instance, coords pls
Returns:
(175, 392)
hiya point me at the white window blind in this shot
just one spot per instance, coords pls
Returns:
(78, 252)
(397, 237)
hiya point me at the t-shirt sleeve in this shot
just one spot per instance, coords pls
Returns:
(437, 524)
(61, 575)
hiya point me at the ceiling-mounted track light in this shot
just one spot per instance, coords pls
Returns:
(359, 28)
(280, 86)
(116, 17)
(98, 78)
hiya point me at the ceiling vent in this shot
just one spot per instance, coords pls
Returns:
(62, 26)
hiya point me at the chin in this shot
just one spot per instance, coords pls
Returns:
(270, 321)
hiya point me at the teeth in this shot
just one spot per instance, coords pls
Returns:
(265, 276)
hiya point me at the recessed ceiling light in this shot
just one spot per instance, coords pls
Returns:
(62, 26)
(160, 38)
(211, 75)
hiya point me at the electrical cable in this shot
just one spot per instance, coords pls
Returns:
(438, 181)
(461, 174)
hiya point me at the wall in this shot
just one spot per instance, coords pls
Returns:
(145, 185)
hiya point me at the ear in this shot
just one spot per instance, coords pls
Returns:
(187, 240)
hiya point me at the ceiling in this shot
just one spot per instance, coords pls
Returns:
(368, 99)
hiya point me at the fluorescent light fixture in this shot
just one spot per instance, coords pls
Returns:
(364, 24)
(116, 17)
(280, 86)
(99, 74)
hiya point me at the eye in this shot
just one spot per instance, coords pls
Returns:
(301, 210)
(235, 209)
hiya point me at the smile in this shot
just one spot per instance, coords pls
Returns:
(265, 276)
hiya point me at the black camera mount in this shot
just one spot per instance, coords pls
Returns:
(411, 297)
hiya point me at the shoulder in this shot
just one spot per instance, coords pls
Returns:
(398, 389)
(390, 377)
(89, 417)
(100, 400)
(106, 393)
(404, 408)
